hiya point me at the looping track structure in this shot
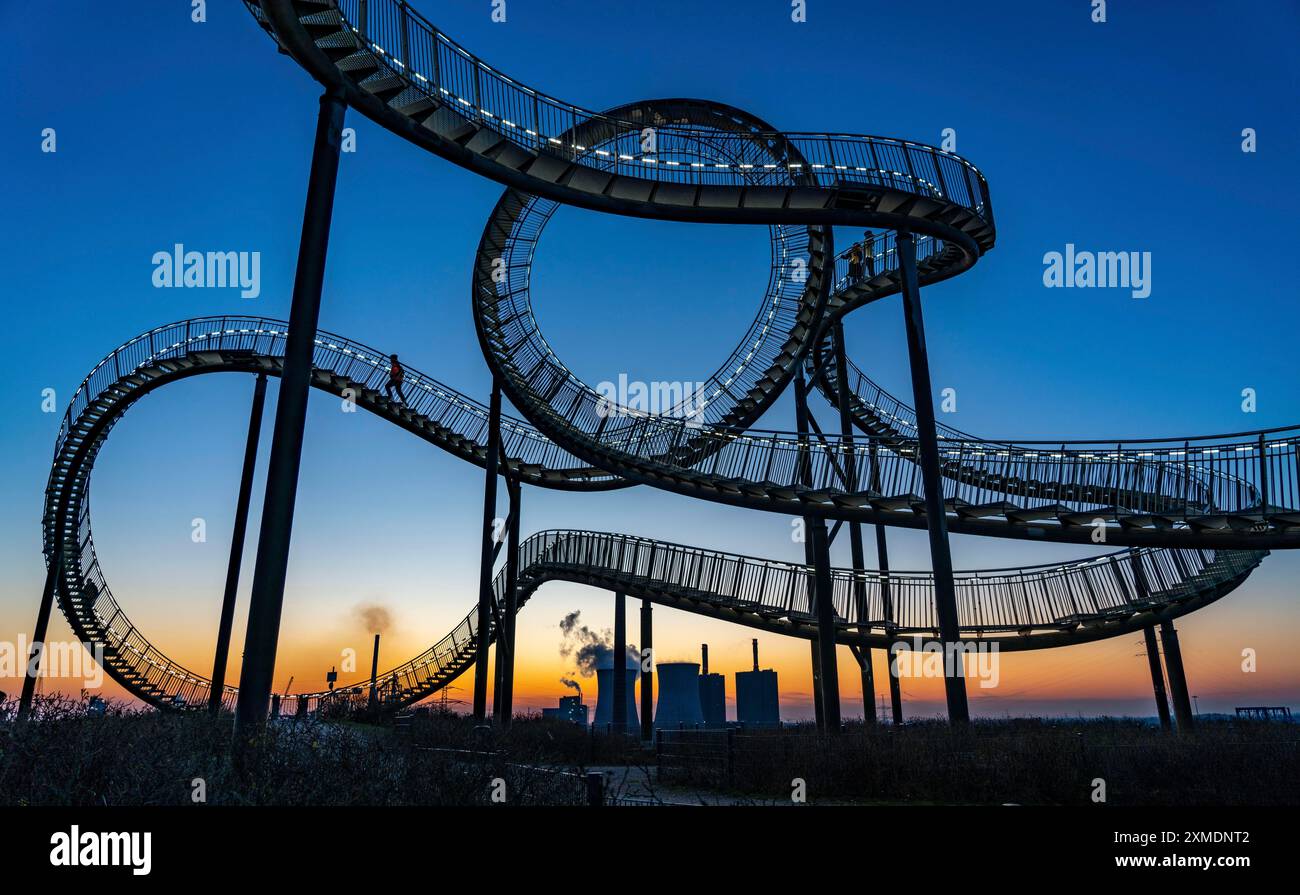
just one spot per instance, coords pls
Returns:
(1197, 515)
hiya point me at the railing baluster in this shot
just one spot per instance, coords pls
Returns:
(1263, 477)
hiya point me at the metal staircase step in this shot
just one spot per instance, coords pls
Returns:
(1034, 514)
(898, 502)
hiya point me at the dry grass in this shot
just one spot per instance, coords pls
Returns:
(68, 755)
(1018, 761)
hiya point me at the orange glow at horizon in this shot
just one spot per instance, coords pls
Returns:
(1106, 677)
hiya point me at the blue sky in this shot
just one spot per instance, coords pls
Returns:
(1122, 136)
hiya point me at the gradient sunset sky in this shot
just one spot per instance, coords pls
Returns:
(1123, 136)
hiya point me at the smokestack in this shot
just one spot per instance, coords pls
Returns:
(713, 693)
(374, 673)
(756, 654)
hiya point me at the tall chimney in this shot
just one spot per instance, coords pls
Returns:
(374, 673)
(704, 656)
(756, 654)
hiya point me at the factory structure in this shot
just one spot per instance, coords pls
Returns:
(571, 709)
(689, 696)
(713, 693)
(756, 696)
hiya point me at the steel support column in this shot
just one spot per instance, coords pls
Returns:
(945, 591)
(485, 595)
(374, 675)
(619, 676)
(868, 689)
(267, 598)
(886, 595)
(504, 693)
(818, 713)
(1157, 676)
(647, 675)
(222, 653)
(37, 649)
(1177, 677)
(829, 666)
(895, 685)
(817, 544)
(895, 690)
(855, 529)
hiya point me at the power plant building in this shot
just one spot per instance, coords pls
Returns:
(571, 709)
(757, 702)
(713, 693)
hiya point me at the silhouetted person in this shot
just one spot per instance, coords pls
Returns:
(396, 375)
(869, 252)
(855, 264)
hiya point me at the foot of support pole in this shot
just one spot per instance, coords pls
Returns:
(1157, 676)
(647, 675)
(1177, 677)
(818, 714)
(827, 665)
(868, 689)
(506, 656)
(39, 633)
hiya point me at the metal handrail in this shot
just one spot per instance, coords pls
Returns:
(365, 366)
(882, 398)
(1205, 472)
(443, 70)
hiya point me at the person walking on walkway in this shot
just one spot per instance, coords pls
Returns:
(855, 264)
(396, 376)
(869, 252)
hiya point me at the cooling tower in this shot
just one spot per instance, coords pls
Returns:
(679, 695)
(605, 694)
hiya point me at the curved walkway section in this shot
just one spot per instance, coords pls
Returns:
(1020, 609)
(398, 69)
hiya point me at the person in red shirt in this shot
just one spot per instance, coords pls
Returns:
(396, 375)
